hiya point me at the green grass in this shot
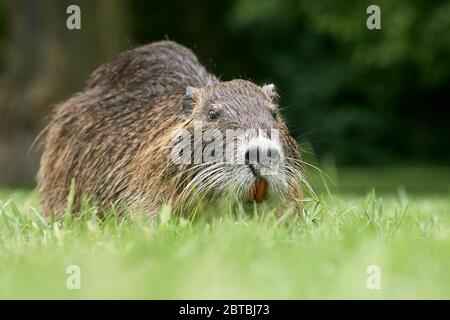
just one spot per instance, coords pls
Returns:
(323, 255)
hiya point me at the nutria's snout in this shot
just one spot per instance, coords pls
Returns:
(263, 157)
(260, 157)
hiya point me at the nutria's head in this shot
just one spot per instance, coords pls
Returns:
(234, 144)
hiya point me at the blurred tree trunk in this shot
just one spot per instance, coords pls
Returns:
(45, 64)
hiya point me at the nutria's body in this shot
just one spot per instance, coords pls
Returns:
(114, 139)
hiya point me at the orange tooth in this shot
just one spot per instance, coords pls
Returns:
(260, 190)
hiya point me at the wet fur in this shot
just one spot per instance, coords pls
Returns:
(114, 138)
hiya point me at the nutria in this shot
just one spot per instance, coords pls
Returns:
(114, 140)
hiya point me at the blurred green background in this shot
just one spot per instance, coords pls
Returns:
(353, 97)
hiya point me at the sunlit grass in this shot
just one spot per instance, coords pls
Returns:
(324, 254)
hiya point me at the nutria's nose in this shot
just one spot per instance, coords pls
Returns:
(258, 156)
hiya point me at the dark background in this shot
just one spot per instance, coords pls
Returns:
(352, 96)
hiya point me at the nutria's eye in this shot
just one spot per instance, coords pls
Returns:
(213, 114)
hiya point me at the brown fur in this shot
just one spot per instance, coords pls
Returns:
(113, 139)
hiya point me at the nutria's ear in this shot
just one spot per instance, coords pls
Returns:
(271, 92)
(189, 100)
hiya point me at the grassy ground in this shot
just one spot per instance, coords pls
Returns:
(324, 255)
